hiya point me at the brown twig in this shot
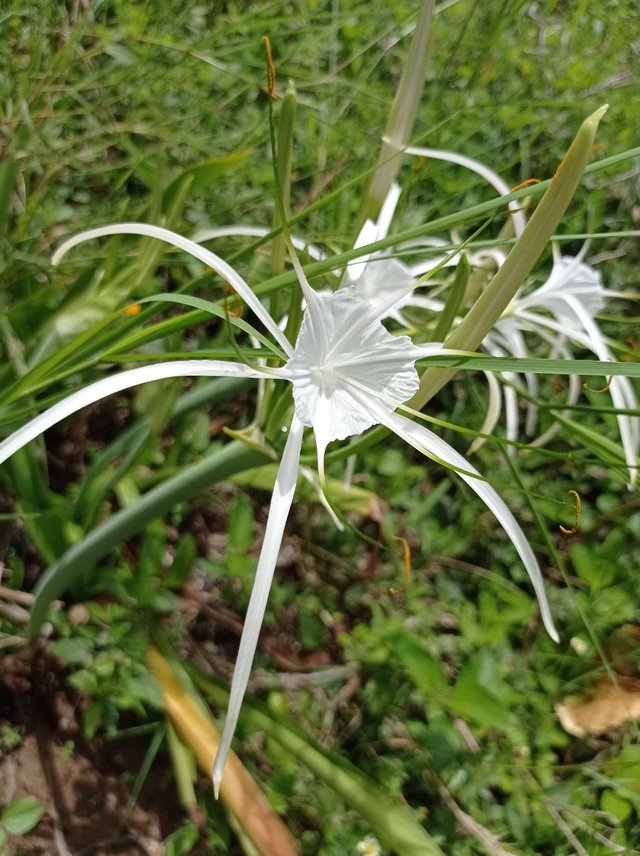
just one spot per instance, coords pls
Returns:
(469, 825)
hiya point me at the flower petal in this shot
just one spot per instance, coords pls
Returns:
(385, 283)
(281, 500)
(256, 232)
(387, 210)
(511, 410)
(367, 235)
(373, 231)
(116, 383)
(201, 253)
(422, 439)
(620, 388)
(502, 333)
(342, 347)
(570, 282)
(494, 408)
(517, 216)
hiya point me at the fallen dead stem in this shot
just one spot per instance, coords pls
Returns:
(468, 824)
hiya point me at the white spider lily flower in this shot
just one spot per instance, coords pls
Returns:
(384, 282)
(382, 279)
(348, 373)
(569, 300)
(562, 310)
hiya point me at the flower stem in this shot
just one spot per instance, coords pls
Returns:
(403, 114)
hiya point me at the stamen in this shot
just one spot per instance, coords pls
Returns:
(574, 528)
(271, 69)
(605, 388)
(406, 557)
(232, 313)
(526, 183)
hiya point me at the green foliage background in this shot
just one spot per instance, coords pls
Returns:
(156, 111)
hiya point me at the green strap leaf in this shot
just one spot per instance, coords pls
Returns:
(218, 311)
(220, 464)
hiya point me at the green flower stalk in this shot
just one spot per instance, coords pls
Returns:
(403, 114)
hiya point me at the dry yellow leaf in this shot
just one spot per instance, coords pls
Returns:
(239, 792)
(608, 707)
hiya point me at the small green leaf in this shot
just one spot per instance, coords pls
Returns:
(185, 556)
(20, 816)
(425, 669)
(590, 567)
(182, 841)
(615, 805)
(76, 652)
(241, 525)
(474, 698)
(625, 768)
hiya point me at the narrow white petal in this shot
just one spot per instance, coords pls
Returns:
(311, 297)
(620, 390)
(283, 491)
(582, 253)
(430, 349)
(517, 216)
(201, 253)
(116, 383)
(520, 351)
(367, 235)
(627, 425)
(504, 332)
(387, 210)
(511, 410)
(575, 388)
(256, 232)
(421, 438)
(425, 303)
(349, 470)
(385, 283)
(372, 231)
(537, 323)
(559, 349)
(494, 408)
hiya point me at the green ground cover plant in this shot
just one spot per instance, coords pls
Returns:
(404, 697)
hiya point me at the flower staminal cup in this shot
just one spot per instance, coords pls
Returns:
(348, 374)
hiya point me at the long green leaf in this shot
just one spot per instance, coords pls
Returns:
(481, 362)
(220, 464)
(218, 311)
